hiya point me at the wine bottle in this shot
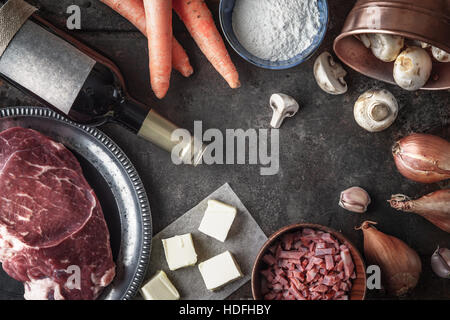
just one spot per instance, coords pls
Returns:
(85, 86)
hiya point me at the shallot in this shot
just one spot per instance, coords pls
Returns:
(435, 207)
(400, 265)
(423, 158)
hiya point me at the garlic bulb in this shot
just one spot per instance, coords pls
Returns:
(423, 158)
(400, 265)
(440, 262)
(355, 199)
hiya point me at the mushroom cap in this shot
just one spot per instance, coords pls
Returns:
(386, 47)
(330, 75)
(412, 69)
(376, 110)
(440, 55)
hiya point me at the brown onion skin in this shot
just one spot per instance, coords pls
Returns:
(423, 158)
(400, 265)
(435, 207)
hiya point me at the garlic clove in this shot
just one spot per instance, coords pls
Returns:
(355, 199)
(440, 262)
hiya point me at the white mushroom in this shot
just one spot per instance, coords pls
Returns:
(412, 69)
(376, 110)
(385, 47)
(440, 55)
(330, 75)
(365, 40)
(283, 107)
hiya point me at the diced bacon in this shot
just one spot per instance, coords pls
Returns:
(348, 262)
(270, 296)
(298, 284)
(294, 291)
(307, 265)
(304, 263)
(328, 296)
(267, 274)
(322, 252)
(320, 288)
(279, 271)
(315, 296)
(329, 263)
(310, 265)
(277, 287)
(308, 231)
(340, 266)
(281, 280)
(278, 251)
(321, 245)
(329, 280)
(269, 259)
(273, 249)
(291, 255)
(310, 275)
(288, 239)
(337, 286)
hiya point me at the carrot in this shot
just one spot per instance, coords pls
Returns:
(133, 11)
(158, 15)
(200, 24)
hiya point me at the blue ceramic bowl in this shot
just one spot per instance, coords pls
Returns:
(226, 13)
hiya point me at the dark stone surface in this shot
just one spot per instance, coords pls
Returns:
(322, 150)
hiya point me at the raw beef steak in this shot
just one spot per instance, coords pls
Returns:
(51, 224)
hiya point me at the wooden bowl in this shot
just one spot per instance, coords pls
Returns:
(358, 291)
(427, 21)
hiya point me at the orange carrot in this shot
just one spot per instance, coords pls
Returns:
(158, 15)
(200, 24)
(133, 11)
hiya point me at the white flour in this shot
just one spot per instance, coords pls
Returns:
(276, 30)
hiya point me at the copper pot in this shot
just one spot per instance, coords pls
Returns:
(424, 20)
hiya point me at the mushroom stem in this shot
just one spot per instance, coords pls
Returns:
(379, 111)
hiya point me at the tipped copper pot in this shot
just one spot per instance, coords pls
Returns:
(427, 21)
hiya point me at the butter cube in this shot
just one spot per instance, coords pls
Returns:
(217, 220)
(160, 288)
(219, 271)
(180, 251)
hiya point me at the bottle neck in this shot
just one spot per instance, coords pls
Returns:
(151, 126)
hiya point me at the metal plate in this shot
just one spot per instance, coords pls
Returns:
(117, 185)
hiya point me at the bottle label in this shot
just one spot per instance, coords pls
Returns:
(46, 65)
